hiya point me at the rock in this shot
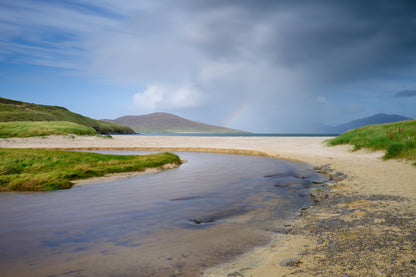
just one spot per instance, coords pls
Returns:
(329, 184)
(235, 274)
(337, 176)
(318, 194)
(303, 253)
(203, 220)
(315, 193)
(290, 262)
(324, 169)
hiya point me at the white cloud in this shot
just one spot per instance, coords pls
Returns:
(164, 98)
(184, 97)
(150, 98)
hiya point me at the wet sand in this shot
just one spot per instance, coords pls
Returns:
(366, 225)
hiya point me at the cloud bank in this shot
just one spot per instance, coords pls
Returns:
(283, 61)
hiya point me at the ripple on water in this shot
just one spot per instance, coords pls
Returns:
(180, 221)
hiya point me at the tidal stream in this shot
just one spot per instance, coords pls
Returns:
(177, 222)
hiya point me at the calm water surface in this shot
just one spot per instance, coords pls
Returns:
(174, 223)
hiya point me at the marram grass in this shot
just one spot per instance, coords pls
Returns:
(42, 128)
(398, 139)
(37, 170)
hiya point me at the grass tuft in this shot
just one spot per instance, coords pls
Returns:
(42, 128)
(398, 139)
(36, 170)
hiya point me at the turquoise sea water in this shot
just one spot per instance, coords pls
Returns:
(235, 135)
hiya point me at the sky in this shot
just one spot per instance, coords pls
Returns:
(256, 65)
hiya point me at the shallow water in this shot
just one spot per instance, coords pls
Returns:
(174, 223)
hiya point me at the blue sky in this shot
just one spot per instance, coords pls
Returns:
(261, 66)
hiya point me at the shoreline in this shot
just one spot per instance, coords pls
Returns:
(373, 211)
(122, 175)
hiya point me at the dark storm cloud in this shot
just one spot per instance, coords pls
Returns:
(267, 60)
(405, 93)
(341, 39)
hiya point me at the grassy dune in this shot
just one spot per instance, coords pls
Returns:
(23, 129)
(398, 139)
(15, 111)
(35, 170)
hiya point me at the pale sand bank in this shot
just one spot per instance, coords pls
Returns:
(374, 187)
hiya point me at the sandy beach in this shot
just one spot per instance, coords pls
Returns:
(365, 226)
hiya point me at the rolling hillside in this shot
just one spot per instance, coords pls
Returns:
(168, 123)
(380, 118)
(11, 110)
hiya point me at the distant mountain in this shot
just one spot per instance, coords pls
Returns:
(380, 118)
(11, 110)
(167, 123)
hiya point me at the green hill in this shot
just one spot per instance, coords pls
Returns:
(168, 123)
(11, 110)
(23, 129)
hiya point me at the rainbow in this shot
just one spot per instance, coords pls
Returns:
(236, 115)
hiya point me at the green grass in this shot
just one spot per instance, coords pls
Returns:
(43, 128)
(398, 139)
(11, 111)
(37, 170)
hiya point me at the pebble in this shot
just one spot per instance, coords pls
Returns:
(290, 262)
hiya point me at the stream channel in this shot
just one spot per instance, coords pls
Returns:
(177, 222)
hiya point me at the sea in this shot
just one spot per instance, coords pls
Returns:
(235, 134)
(178, 222)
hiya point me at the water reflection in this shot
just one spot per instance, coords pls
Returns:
(176, 222)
